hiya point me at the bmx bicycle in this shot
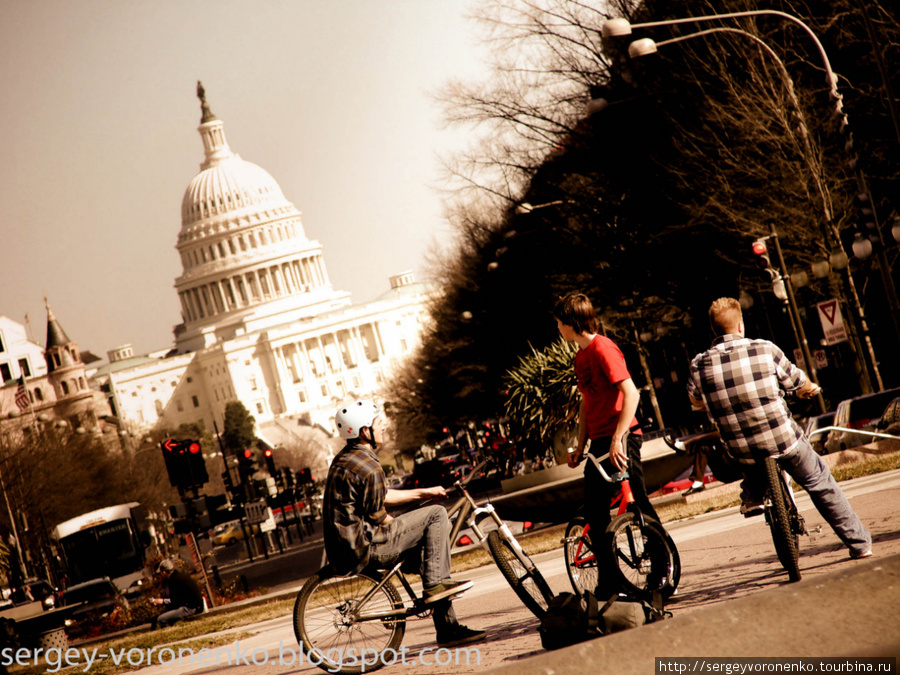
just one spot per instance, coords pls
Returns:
(515, 565)
(352, 624)
(644, 557)
(779, 506)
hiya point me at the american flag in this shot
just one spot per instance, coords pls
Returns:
(22, 399)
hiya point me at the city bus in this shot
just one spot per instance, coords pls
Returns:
(109, 542)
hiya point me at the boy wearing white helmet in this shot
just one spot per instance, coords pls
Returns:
(358, 530)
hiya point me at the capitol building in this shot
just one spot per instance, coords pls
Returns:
(261, 322)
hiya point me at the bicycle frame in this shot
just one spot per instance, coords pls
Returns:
(469, 513)
(627, 499)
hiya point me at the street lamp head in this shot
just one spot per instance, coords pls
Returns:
(596, 105)
(779, 289)
(838, 260)
(862, 247)
(642, 47)
(524, 208)
(820, 268)
(616, 28)
(800, 279)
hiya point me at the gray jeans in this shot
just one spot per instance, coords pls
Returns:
(174, 615)
(427, 531)
(811, 473)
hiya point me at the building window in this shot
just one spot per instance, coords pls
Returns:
(5, 372)
(195, 401)
(65, 387)
(189, 380)
(38, 394)
(134, 394)
(324, 390)
(302, 395)
(24, 368)
(81, 383)
(259, 408)
(252, 384)
(179, 406)
(2, 347)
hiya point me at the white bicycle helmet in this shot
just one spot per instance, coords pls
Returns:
(352, 417)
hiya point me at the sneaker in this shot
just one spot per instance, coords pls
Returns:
(694, 489)
(445, 590)
(750, 509)
(863, 554)
(460, 635)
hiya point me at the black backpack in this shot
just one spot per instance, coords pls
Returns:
(569, 619)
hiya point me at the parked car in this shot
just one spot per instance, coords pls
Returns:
(860, 412)
(229, 533)
(43, 592)
(819, 422)
(93, 603)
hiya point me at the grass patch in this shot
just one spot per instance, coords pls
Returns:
(867, 467)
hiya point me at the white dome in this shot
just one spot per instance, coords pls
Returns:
(231, 186)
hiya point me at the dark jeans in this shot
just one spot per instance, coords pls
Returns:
(598, 494)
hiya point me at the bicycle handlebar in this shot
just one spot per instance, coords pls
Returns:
(617, 477)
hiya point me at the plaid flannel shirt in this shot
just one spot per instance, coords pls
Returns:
(353, 507)
(742, 382)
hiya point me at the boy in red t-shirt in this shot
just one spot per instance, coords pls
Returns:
(609, 401)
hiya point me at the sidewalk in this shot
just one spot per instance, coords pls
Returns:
(852, 613)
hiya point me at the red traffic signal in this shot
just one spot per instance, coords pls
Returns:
(184, 463)
(762, 252)
(248, 454)
(267, 452)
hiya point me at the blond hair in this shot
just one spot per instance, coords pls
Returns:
(725, 316)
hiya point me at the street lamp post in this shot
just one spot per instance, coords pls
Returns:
(623, 28)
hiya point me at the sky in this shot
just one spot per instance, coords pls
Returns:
(98, 130)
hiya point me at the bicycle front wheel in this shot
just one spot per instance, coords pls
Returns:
(645, 558)
(329, 633)
(581, 563)
(532, 589)
(778, 515)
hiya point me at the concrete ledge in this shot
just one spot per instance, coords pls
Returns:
(853, 612)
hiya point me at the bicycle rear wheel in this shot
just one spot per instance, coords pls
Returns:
(328, 633)
(778, 515)
(532, 589)
(581, 563)
(645, 558)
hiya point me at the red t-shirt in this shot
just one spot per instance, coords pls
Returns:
(599, 367)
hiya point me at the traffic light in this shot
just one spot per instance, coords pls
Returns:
(304, 476)
(247, 465)
(184, 463)
(763, 258)
(270, 462)
(196, 463)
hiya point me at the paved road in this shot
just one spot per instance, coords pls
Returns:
(724, 557)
